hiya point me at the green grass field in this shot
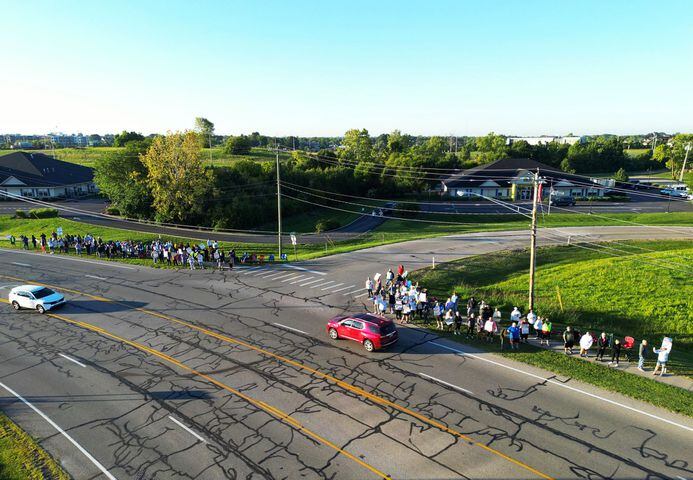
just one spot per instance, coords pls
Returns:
(21, 458)
(392, 231)
(88, 156)
(634, 152)
(591, 290)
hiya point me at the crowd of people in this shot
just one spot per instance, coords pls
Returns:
(396, 295)
(179, 254)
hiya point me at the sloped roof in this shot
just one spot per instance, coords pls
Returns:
(504, 170)
(40, 170)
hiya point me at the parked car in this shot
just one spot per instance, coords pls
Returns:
(372, 331)
(35, 297)
(560, 200)
(680, 190)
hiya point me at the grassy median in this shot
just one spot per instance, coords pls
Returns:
(21, 458)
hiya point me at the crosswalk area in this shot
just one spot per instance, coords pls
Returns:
(313, 283)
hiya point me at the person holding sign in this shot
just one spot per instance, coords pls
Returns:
(662, 356)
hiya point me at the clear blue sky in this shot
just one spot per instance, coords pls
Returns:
(322, 67)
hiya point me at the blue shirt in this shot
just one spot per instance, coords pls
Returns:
(514, 332)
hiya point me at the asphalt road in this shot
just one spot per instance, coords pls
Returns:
(180, 374)
(363, 224)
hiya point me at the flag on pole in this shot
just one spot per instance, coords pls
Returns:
(539, 191)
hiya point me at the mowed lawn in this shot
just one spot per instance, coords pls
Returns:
(88, 156)
(646, 291)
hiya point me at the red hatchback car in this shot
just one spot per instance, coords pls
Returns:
(372, 331)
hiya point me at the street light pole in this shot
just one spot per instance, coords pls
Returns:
(533, 241)
(685, 159)
(279, 207)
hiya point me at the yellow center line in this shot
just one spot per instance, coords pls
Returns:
(347, 386)
(274, 411)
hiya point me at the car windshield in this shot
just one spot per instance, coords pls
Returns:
(44, 292)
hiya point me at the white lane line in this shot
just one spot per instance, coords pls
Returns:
(353, 291)
(321, 284)
(72, 360)
(331, 286)
(262, 271)
(301, 280)
(445, 383)
(291, 328)
(304, 269)
(103, 263)
(563, 385)
(273, 275)
(362, 295)
(21, 264)
(308, 283)
(94, 276)
(284, 276)
(190, 431)
(250, 270)
(268, 273)
(295, 277)
(342, 289)
(62, 432)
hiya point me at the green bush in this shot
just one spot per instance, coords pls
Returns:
(111, 210)
(326, 224)
(43, 213)
(20, 214)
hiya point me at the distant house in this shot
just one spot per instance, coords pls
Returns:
(545, 139)
(512, 179)
(36, 175)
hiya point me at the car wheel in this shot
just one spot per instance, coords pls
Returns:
(333, 334)
(368, 345)
(40, 309)
(15, 305)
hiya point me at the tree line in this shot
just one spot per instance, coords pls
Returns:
(165, 177)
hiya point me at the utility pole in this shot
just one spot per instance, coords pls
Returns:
(685, 159)
(533, 241)
(279, 206)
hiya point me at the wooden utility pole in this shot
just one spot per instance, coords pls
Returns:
(279, 207)
(533, 241)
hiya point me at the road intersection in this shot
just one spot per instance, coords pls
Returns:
(180, 374)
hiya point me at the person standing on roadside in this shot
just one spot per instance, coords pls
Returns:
(615, 352)
(546, 328)
(514, 335)
(586, 342)
(524, 330)
(538, 325)
(568, 341)
(602, 345)
(662, 359)
(369, 287)
(642, 355)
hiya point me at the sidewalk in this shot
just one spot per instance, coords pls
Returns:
(627, 366)
(680, 381)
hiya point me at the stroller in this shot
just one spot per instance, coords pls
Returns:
(627, 347)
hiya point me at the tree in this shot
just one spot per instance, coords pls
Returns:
(124, 137)
(237, 145)
(206, 130)
(356, 146)
(122, 177)
(398, 143)
(176, 177)
(491, 148)
(621, 175)
(672, 154)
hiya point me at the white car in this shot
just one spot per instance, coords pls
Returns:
(35, 297)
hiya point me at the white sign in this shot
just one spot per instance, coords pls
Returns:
(293, 239)
(59, 230)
